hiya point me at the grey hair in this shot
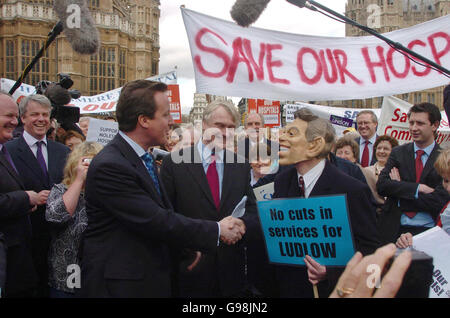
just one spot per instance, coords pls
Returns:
(40, 99)
(260, 116)
(229, 107)
(374, 117)
(85, 118)
(317, 127)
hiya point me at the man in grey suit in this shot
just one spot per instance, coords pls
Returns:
(207, 184)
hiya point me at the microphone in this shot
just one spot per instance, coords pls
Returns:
(246, 12)
(78, 24)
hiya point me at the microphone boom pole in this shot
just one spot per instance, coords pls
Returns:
(57, 29)
(313, 4)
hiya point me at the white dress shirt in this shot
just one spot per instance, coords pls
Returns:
(310, 178)
(31, 142)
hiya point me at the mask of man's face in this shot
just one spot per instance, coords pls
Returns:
(294, 146)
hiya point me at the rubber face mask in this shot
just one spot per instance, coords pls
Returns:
(293, 143)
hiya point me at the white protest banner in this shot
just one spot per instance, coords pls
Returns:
(105, 102)
(102, 131)
(393, 121)
(436, 243)
(265, 192)
(326, 112)
(254, 63)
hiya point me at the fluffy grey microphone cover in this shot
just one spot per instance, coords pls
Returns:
(85, 39)
(246, 12)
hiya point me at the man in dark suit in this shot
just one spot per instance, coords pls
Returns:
(193, 193)
(306, 143)
(409, 180)
(15, 206)
(40, 164)
(367, 123)
(253, 122)
(131, 224)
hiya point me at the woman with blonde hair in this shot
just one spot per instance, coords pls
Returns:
(66, 211)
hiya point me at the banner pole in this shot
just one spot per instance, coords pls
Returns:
(316, 291)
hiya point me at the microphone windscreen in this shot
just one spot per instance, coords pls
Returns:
(246, 12)
(57, 94)
(78, 28)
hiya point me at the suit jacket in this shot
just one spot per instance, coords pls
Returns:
(293, 281)
(404, 191)
(125, 252)
(16, 228)
(33, 177)
(374, 158)
(189, 192)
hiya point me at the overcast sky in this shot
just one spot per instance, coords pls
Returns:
(279, 15)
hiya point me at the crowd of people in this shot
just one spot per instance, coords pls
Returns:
(81, 220)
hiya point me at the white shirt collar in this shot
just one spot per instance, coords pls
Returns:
(372, 140)
(206, 151)
(310, 178)
(31, 141)
(138, 149)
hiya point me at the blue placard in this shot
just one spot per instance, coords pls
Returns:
(318, 227)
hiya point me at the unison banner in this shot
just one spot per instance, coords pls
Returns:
(340, 117)
(230, 60)
(105, 102)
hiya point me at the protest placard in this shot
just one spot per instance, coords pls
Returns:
(318, 227)
(265, 192)
(256, 63)
(436, 243)
(101, 131)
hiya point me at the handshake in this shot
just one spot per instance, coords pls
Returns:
(231, 230)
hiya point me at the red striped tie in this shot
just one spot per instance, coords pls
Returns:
(365, 155)
(419, 169)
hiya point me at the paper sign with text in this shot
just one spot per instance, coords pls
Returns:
(102, 131)
(318, 227)
(265, 192)
(436, 243)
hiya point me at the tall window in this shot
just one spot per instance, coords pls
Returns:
(103, 71)
(10, 59)
(40, 70)
(122, 67)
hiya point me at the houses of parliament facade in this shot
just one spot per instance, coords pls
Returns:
(393, 15)
(129, 36)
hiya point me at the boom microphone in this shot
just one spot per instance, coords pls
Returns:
(79, 26)
(246, 12)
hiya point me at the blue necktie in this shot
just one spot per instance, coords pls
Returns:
(149, 164)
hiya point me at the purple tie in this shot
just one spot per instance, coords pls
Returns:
(8, 157)
(40, 158)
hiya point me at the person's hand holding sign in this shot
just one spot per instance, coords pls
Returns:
(316, 272)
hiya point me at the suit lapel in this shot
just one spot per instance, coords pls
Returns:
(430, 162)
(410, 163)
(229, 174)
(52, 162)
(27, 157)
(323, 184)
(11, 170)
(198, 173)
(136, 162)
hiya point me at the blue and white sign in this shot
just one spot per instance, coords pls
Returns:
(318, 227)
